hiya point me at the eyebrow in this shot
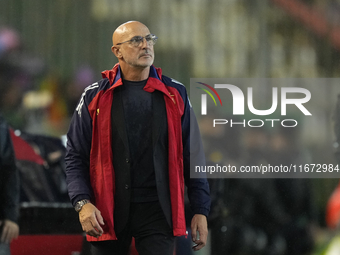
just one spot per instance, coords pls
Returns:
(140, 36)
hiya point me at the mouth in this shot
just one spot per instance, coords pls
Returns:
(145, 55)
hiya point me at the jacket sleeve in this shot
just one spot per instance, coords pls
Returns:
(193, 155)
(77, 158)
(9, 176)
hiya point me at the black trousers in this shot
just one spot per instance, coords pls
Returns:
(148, 225)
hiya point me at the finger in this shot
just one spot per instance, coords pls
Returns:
(201, 242)
(9, 235)
(198, 246)
(90, 230)
(93, 233)
(4, 234)
(198, 242)
(100, 218)
(203, 236)
(91, 225)
(193, 232)
(96, 225)
(16, 233)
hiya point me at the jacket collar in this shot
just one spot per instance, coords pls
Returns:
(114, 75)
(154, 81)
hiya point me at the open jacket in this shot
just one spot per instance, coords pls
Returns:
(9, 176)
(89, 159)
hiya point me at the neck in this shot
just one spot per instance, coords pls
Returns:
(135, 74)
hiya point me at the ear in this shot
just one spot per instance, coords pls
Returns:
(116, 51)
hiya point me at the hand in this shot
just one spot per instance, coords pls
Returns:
(10, 231)
(89, 216)
(199, 223)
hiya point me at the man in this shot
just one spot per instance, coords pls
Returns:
(128, 154)
(9, 191)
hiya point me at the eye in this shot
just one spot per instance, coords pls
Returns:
(136, 39)
(148, 38)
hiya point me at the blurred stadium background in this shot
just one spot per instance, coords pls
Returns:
(51, 50)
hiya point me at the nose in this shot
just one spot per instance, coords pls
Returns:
(145, 43)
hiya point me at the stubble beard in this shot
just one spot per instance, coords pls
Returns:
(149, 60)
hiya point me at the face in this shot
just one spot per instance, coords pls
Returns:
(141, 56)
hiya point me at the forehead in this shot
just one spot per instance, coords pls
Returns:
(135, 30)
